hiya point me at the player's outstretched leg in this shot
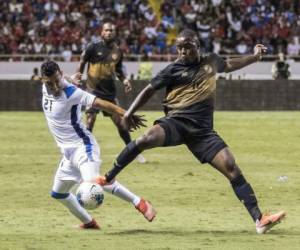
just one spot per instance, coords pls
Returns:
(61, 193)
(225, 163)
(125, 136)
(154, 137)
(90, 172)
(117, 189)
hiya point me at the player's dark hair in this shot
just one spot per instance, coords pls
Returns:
(189, 36)
(49, 68)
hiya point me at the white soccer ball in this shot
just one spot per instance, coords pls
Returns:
(90, 195)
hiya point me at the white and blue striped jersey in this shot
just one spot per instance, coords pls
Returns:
(63, 115)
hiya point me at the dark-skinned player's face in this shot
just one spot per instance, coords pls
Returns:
(108, 32)
(187, 51)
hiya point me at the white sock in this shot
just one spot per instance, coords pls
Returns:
(76, 209)
(122, 192)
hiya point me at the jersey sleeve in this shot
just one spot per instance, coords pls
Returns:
(88, 52)
(82, 97)
(219, 62)
(162, 79)
(87, 99)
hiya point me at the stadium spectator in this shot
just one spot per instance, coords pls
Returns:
(150, 15)
(293, 47)
(242, 48)
(280, 69)
(275, 22)
(35, 76)
(67, 53)
(168, 20)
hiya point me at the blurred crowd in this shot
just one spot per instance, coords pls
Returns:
(224, 26)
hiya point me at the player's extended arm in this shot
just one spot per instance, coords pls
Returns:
(81, 66)
(134, 122)
(108, 107)
(121, 70)
(138, 102)
(122, 75)
(241, 62)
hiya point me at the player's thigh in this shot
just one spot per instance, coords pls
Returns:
(166, 132)
(205, 146)
(89, 170)
(62, 186)
(154, 137)
(66, 176)
(90, 151)
(87, 161)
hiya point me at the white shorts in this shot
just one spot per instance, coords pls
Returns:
(78, 164)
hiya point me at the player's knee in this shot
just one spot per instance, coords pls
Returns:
(147, 141)
(231, 167)
(59, 196)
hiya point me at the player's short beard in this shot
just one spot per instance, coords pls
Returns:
(54, 88)
(109, 40)
(190, 60)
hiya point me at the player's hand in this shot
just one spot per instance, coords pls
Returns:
(133, 122)
(75, 79)
(127, 85)
(137, 121)
(259, 50)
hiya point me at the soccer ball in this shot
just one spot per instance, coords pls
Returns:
(90, 195)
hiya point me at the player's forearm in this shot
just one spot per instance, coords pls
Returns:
(241, 62)
(108, 107)
(141, 99)
(121, 73)
(81, 67)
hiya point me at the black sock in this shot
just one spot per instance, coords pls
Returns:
(246, 195)
(129, 153)
(124, 134)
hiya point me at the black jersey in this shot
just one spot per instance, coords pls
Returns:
(104, 64)
(190, 88)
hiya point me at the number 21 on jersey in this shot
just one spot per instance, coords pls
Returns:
(47, 104)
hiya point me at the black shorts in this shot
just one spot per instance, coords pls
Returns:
(201, 140)
(90, 110)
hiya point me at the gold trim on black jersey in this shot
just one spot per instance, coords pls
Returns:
(189, 94)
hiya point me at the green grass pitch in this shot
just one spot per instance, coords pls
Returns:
(196, 206)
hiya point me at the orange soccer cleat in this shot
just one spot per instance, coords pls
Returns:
(145, 208)
(101, 180)
(91, 225)
(267, 221)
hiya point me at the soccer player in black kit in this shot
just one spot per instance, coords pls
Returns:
(104, 60)
(190, 83)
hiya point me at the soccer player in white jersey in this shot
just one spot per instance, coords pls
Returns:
(62, 103)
